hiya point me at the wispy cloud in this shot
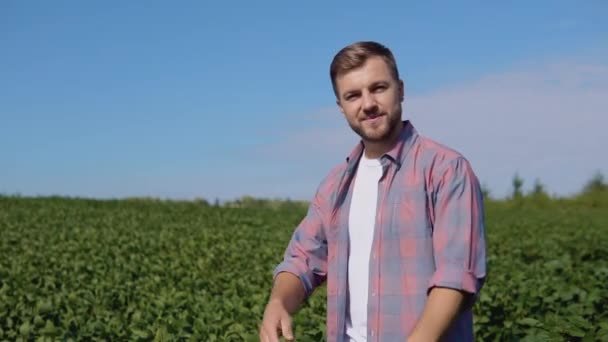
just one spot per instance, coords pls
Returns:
(544, 121)
(326, 136)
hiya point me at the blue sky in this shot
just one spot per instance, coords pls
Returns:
(209, 99)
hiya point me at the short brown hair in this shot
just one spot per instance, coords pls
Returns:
(354, 56)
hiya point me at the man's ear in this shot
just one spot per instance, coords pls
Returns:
(401, 90)
(339, 105)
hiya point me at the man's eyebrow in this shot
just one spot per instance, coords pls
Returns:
(377, 83)
(349, 92)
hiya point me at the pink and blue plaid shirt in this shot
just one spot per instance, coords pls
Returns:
(429, 232)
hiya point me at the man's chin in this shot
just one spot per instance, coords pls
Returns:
(376, 135)
(373, 135)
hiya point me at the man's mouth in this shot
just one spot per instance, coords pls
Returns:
(372, 117)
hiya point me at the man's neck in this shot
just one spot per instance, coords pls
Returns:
(375, 149)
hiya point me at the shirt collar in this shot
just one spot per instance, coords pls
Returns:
(396, 154)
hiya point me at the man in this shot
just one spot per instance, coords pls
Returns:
(396, 231)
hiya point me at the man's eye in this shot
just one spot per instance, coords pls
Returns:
(380, 88)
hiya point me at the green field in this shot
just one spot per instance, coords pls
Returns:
(158, 270)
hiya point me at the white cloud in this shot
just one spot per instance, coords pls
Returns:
(329, 138)
(547, 122)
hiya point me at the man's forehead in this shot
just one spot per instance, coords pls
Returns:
(370, 70)
(356, 79)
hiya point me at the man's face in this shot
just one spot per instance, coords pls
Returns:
(370, 99)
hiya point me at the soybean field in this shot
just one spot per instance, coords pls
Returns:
(152, 270)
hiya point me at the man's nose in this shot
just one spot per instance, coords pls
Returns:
(369, 103)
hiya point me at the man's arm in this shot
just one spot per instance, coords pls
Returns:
(288, 291)
(304, 267)
(286, 297)
(443, 305)
(459, 249)
(306, 254)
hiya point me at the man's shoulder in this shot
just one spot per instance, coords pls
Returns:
(432, 147)
(436, 156)
(330, 181)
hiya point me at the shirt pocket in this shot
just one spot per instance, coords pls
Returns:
(410, 214)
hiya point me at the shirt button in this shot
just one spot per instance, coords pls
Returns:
(373, 333)
(373, 294)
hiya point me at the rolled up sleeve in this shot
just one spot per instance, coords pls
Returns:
(306, 253)
(459, 230)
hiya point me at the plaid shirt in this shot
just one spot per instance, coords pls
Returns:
(429, 232)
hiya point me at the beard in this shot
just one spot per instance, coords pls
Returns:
(382, 132)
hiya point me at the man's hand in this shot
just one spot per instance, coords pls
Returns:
(277, 321)
(286, 296)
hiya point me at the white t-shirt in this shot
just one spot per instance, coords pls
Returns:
(362, 219)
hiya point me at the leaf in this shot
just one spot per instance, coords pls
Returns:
(579, 322)
(576, 332)
(49, 329)
(537, 336)
(529, 322)
(602, 334)
(161, 335)
(143, 334)
(24, 329)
